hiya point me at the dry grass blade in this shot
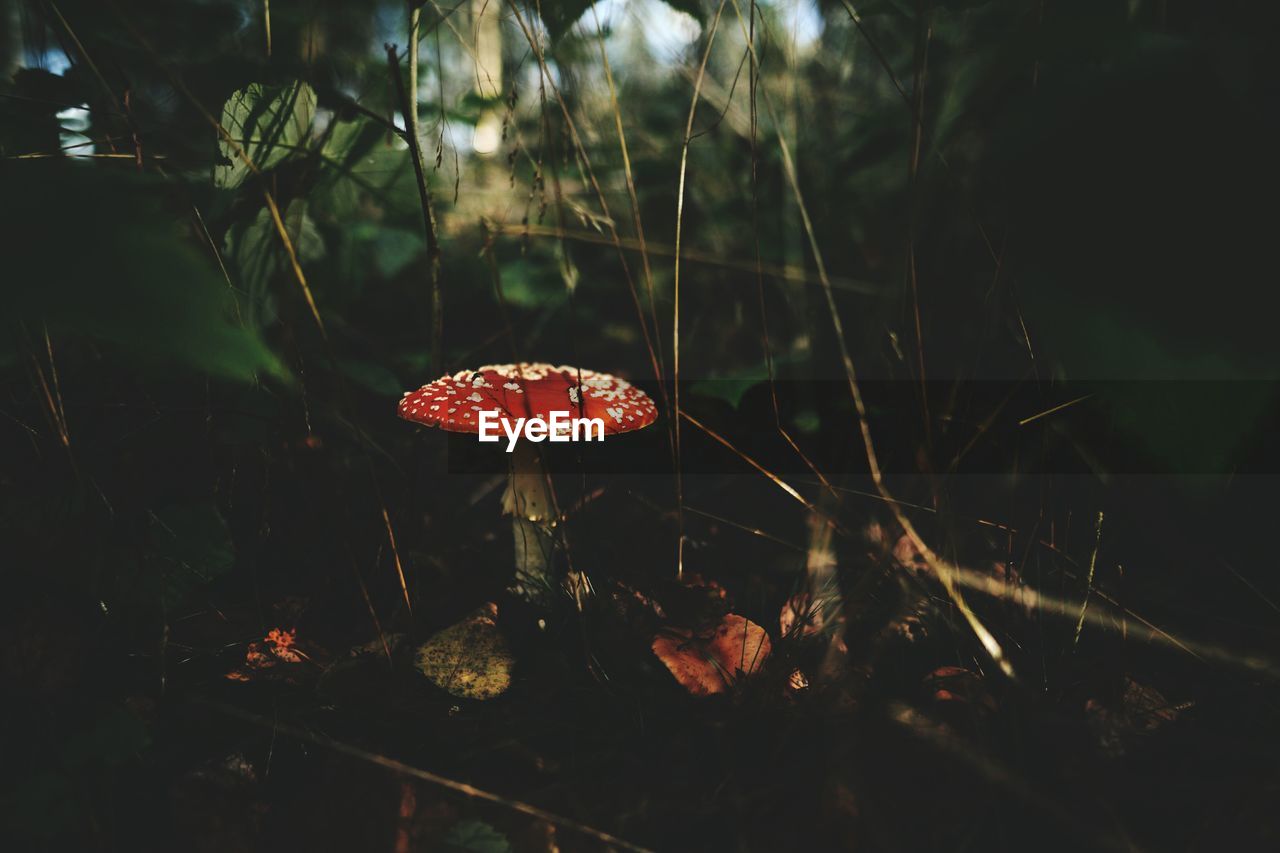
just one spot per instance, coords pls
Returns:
(294, 264)
(675, 319)
(1054, 410)
(395, 553)
(1088, 582)
(373, 613)
(774, 478)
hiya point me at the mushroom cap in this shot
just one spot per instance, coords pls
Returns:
(528, 390)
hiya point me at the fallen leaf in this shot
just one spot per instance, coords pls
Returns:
(708, 664)
(281, 643)
(470, 659)
(959, 685)
(476, 836)
(629, 598)
(1141, 711)
(280, 646)
(802, 615)
(908, 556)
(712, 588)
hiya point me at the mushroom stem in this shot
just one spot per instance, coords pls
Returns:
(527, 500)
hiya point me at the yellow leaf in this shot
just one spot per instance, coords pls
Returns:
(470, 659)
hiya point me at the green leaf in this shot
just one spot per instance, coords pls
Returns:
(94, 253)
(266, 124)
(1192, 410)
(734, 385)
(476, 836)
(530, 285)
(730, 391)
(351, 140)
(807, 421)
(392, 249)
(255, 251)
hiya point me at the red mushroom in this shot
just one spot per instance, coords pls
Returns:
(522, 404)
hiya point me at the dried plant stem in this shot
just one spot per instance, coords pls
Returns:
(408, 108)
(1088, 582)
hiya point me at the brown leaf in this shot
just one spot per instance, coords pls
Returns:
(959, 685)
(708, 664)
(908, 556)
(280, 646)
(1141, 711)
(801, 614)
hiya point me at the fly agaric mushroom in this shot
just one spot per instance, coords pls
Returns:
(516, 395)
